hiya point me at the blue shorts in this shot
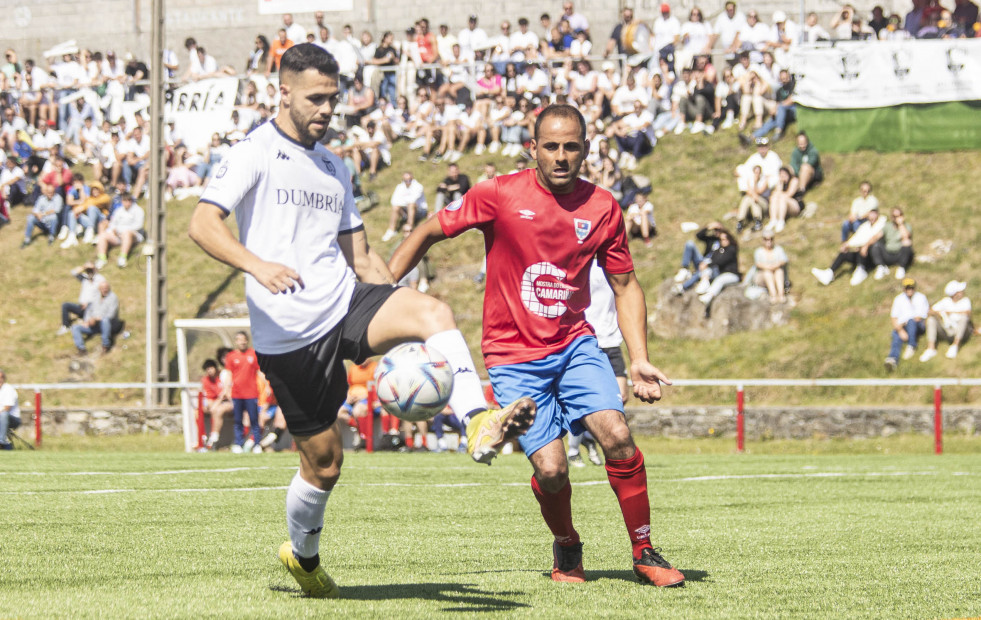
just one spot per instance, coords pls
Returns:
(567, 386)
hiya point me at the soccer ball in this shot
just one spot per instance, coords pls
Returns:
(413, 382)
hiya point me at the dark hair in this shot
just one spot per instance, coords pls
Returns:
(241, 333)
(299, 58)
(563, 110)
(209, 363)
(221, 353)
(522, 21)
(263, 42)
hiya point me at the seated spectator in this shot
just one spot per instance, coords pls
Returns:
(768, 161)
(180, 174)
(408, 205)
(609, 177)
(533, 84)
(806, 163)
(895, 247)
(753, 90)
(469, 127)
(9, 411)
(213, 153)
(696, 106)
(135, 170)
(949, 320)
(855, 250)
(755, 198)
(124, 229)
(355, 406)
(859, 210)
(373, 145)
(13, 182)
(908, 316)
(518, 127)
(44, 215)
(770, 263)
(87, 294)
(784, 200)
(453, 187)
(361, 101)
(719, 270)
(490, 172)
(691, 258)
(217, 399)
(101, 317)
(634, 134)
(269, 411)
(783, 110)
(640, 219)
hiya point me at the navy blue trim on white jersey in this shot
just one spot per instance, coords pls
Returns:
(350, 231)
(212, 202)
(294, 141)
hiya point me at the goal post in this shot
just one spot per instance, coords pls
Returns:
(225, 330)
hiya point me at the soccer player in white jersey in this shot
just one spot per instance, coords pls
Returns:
(542, 229)
(317, 294)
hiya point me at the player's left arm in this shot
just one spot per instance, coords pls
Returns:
(367, 265)
(632, 318)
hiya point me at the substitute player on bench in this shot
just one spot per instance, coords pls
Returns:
(542, 229)
(301, 242)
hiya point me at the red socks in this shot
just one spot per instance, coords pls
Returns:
(628, 477)
(557, 511)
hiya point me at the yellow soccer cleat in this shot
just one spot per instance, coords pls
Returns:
(489, 430)
(317, 584)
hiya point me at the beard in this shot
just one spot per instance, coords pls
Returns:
(307, 134)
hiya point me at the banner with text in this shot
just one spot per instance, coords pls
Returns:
(199, 109)
(272, 7)
(877, 74)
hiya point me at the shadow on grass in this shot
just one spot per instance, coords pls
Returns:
(459, 596)
(691, 575)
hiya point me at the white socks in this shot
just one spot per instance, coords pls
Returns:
(468, 394)
(305, 505)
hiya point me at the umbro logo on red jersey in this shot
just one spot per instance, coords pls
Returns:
(527, 214)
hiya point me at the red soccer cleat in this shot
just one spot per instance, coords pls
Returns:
(653, 569)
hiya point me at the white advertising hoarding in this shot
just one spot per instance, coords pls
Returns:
(271, 7)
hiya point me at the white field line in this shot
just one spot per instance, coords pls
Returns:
(475, 484)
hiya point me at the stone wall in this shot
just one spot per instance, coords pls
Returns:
(800, 422)
(681, 422)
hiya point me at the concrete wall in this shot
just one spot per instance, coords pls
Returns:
(227, 28)
(683, 422)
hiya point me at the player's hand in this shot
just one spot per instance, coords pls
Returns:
(647, 380)
(277, 278)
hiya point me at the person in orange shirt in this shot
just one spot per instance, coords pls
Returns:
(276, 51)
(244, 367)
(269, 410)
(216, 402)
(356, 405)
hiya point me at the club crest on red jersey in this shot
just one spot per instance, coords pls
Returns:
(582, 228)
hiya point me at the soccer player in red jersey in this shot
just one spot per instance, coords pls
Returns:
(542, 229)
(244, 366)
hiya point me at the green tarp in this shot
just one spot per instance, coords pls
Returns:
(912, 127)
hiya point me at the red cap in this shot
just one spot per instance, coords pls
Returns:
(665, 8)
(51, 122)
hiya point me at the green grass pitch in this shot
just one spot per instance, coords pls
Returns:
(145, 535)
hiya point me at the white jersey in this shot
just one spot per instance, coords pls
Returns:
(602, 310)
(291, 202)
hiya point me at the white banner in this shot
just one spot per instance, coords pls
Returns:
(271, 7)
(875, 74)
(199, 109)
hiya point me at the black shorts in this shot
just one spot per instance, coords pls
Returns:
(616, 360)
(310, 383)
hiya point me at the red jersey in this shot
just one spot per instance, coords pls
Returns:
(211, 386)
(539, 249)
(244, 367)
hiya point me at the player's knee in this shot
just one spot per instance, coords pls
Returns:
(438, 315)
(553, 477)
(326, 473)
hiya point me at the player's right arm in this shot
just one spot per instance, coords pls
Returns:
(415, 246)
(209, 231)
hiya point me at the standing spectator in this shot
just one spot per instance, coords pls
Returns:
(101, 317)
(667, 36)
(9, 411)
(259, 58)
(244, 366)
(813, 31)
(770, 262)
(277, 48)
(615, 43)
(895, 247)
(44, 215)
(125, 229)
(217, 402)
(294, 31)
(859, 211)
(728, 25)
(88, 293)
(453, 187)
(950, 320)
(908, 315)
(408, 203)
(806, 163)
(855, 250)
(577, 21)
(387, 58)
(966, 16)
(696, 38)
